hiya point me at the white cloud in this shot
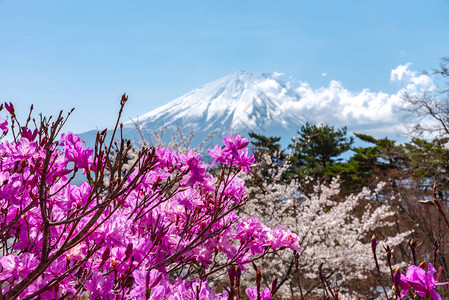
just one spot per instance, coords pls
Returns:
(413, 79)
(324, 74)
(401, 73)
(277, 74)
(376, 113)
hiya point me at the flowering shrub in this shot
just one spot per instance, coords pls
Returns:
(153, 231)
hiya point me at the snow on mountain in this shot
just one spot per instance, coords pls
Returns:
(238, 103)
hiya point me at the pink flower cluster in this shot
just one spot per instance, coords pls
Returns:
(422, 281)
(154, 233)
(264, 295)
(233, 153)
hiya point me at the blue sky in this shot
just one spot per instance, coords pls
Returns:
(85, 54)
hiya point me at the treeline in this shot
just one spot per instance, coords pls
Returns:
(316, 152)
(415, 189)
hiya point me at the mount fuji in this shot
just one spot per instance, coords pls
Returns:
(237, 103)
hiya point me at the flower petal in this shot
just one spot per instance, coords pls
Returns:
(418, 286)
(434, 294)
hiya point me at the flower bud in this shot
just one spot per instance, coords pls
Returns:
(422, 265)
(147, 280)
(124, 99)
(258, 277)
(396, 276)
(129, 249)
(10, 108)
(238, 273)
(373, 243)
(232, 274)
(274, 284)
(105, 256)
(156, 280)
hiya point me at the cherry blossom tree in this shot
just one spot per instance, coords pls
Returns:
(334, 231)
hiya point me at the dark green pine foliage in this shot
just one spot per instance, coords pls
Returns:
(317, 149)
(429, 160)
(263, 146)
(369, 165)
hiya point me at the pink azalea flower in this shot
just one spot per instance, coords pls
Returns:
(100, 286)
(152, 280)
(232, 144)
(279, 238)
(218, 155)
(75, 151)
(4, 125)
(24, 149)
(264, 295)
(244, 161)
(17, 266)
(197, 172)
(422, 282)
(401, 281)
(27, 133)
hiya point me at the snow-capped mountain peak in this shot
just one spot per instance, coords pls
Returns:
(237, 103)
